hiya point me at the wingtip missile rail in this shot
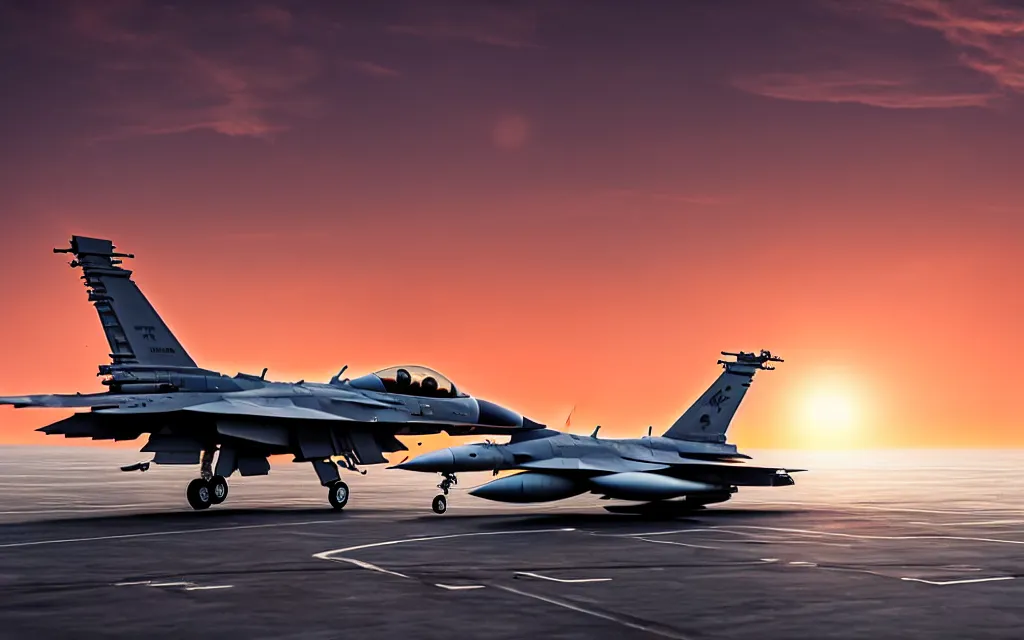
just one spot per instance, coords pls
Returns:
(758, 360)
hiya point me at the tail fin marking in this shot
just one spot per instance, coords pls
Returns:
(134, 330)
(708, 419)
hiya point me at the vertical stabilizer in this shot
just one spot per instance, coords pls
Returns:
(135, 332)
(709, 418)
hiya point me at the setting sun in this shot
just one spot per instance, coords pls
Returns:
(830, 409)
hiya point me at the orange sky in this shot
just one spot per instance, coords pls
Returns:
(552, 207)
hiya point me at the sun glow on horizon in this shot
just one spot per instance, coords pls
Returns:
(831, 412)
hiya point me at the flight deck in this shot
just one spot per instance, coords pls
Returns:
(855, 550)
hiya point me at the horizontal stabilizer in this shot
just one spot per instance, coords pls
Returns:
(79, 424)
(91, 425)
(176, 457)
(167, 443)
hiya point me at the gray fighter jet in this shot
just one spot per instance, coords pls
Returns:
(193, 414)
(690, 466)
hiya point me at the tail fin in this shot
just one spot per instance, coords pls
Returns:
(134, 330)
(708, 419)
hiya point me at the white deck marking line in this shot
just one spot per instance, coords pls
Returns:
(150, 534)
(775, 541)
(563, 580)
(985, 523)
(369, 566)
(952, 582)
(131, 584)
(678, 544)
(859, 536)
(810, 532)
(212, 586)
(597, 614)
(169, 584)
(694, 530)
(801, 563)
(328, 555)
(459, 587)
(333, 556)
(832, 507)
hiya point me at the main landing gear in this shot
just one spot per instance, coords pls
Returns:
(207, 489)
(440, 503)
(202, 493)
(337, 494)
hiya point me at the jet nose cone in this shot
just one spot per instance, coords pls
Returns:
(435, 461)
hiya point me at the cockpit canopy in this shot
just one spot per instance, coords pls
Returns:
(408, 381)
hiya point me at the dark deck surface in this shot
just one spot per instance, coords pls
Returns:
(87, 551)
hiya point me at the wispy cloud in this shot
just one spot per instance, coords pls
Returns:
(493, 26)
(849, 87)
(984, 63)
(273, 16)
(368, 68)
(987, 34)
(157, 69)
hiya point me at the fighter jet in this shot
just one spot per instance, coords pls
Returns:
(689, 466)
(193, 415)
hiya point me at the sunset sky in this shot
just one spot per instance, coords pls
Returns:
(553, 203)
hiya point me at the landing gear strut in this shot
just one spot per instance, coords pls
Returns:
(207, 489)
(446, 484)
(440, 503)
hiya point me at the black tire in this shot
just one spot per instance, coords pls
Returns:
(198, 494)
(439, 505)
(337, 495)
(218, 489)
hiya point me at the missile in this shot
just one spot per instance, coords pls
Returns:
(529, 486)
(639, 485)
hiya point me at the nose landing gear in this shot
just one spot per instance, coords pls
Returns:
(440, 503)
(337, 495)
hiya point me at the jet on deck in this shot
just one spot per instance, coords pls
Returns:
(226, 424)
(689, 466)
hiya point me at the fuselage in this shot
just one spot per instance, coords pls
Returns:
(558, 465)
(547, 444)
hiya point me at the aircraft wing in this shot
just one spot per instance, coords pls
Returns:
(733, 473)
(234, 407)
(56, 400)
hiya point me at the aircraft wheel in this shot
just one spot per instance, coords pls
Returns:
(439, 505)
(198, 494)
(218, 489)
(337, 494)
